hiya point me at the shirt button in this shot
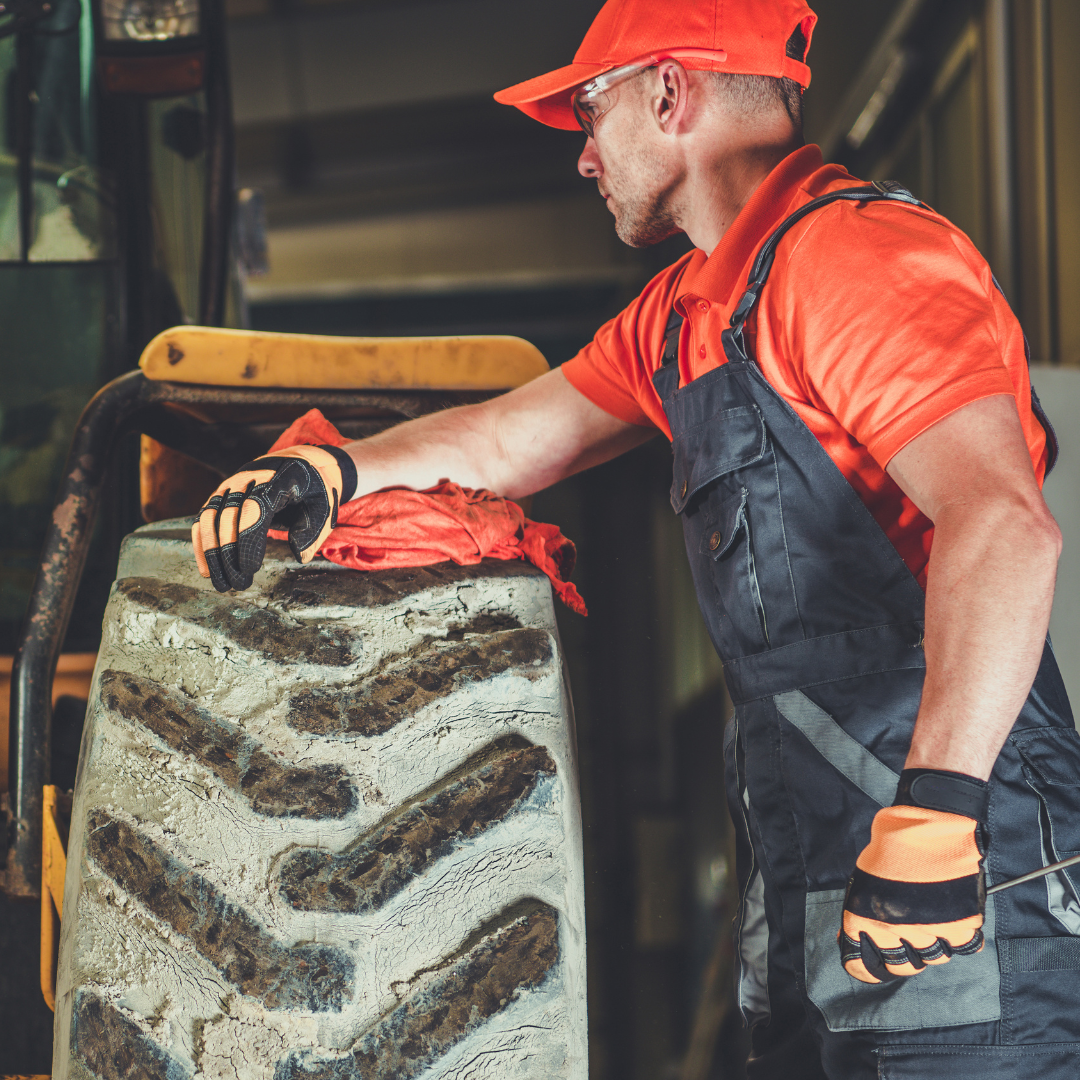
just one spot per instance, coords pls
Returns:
(701, 352)
(714, 541)
(683, 490)
(704, 305)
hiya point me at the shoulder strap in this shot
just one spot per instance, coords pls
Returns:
(878, 191)
(734, 343)
(759, 273)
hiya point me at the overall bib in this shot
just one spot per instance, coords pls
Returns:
(819, 623)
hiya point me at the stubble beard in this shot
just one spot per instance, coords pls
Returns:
(644, 217)
(644, 223)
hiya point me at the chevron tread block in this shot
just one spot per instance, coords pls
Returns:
(472, 988)
(479, 795)
(269, 785)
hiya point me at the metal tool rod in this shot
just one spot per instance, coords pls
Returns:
(1034, 874)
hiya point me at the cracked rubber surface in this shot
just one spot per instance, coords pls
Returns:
(108, 1044)
(240, 623)
(325, 828)
(367, 875)
(358, 588)
(404, 688)
(238, 761)
(511, 958)
(313, 977)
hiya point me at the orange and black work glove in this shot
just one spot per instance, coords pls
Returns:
(918, 894)
(298, 488)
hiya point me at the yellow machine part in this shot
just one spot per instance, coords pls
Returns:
(172, 485)
(56, 814)
(73, 674)
(216, 357)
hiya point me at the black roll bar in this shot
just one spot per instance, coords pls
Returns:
(220, 173)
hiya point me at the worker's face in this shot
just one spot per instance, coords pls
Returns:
(630, 167)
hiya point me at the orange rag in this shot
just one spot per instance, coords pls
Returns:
(401, 527)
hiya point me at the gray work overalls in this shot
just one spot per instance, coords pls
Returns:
(819, 623)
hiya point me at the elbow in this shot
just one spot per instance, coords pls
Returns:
(484, 444)
(1053, 536)
(1042, 537)
(1017, 530)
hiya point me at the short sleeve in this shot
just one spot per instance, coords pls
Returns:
(615, 369)
(893, 322)
(599, 374)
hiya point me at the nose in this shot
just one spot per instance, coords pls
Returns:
(589, 164)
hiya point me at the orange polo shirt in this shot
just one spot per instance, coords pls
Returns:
(878, 320)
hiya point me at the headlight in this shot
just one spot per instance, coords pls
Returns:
(149, 20)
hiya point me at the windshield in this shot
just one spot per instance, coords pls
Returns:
(58, 278)
(54, 203)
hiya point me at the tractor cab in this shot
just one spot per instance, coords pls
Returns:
(117, 220)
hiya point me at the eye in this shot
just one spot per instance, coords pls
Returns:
(586, 107)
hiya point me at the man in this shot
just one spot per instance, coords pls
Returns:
(857, 461)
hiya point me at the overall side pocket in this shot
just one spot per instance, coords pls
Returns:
(963, 991)
(751, 928)
(1051, 768)
(727, 540)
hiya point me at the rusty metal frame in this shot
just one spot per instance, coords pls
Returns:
(177, 415)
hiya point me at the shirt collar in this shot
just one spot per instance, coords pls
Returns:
(719, 275)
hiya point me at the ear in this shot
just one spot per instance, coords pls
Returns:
(671, 97)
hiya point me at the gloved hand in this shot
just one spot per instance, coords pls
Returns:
(298, 488)
(918, 893)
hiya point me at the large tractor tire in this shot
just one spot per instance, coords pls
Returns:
(326, 828)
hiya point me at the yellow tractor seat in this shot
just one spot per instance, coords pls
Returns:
(409, 375)
(214, 357)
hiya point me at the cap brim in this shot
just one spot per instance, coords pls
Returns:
(547, 97)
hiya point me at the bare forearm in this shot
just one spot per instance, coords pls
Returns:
(990, 582)
(451, 444)
(514, 445)
(989, 593)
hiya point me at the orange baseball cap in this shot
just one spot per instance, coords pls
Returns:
(741, 37)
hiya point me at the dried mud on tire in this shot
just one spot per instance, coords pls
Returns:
(324, 829)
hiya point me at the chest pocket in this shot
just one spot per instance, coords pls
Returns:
(728, 440)
(717, 518)
(727, 545)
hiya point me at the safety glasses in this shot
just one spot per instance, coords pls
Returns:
(595, 97)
